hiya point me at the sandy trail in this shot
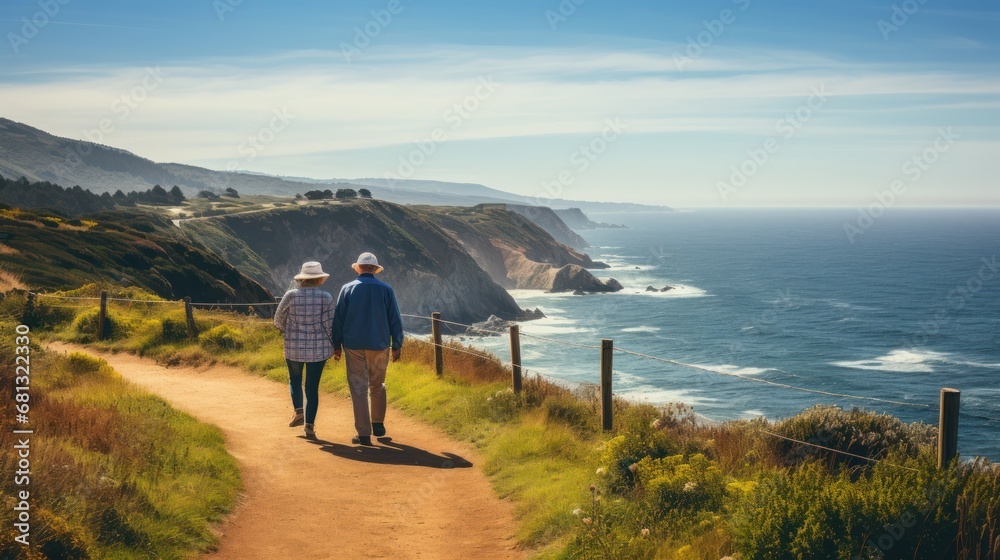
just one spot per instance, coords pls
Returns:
(419, 495)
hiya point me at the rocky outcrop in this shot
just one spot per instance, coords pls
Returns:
(576, 219)
(528, 274)
(663, 289)
(572, 277)
(547, 219)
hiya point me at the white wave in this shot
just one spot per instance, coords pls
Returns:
(553, 324)
(622, 378)
(655, 395)
(977, 364)
(734, 370)
(753, 414)
(643, 329)
(619, 266)
(900, 361)
(679, 291)
(520, 295)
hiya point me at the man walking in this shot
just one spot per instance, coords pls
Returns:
(367, 324)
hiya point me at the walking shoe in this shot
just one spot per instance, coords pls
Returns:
(362, 440)
(378, 429)
(298, 419)
(310, 432)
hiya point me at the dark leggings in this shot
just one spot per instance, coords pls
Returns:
(314, 370)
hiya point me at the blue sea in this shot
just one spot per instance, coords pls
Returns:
(911, 306)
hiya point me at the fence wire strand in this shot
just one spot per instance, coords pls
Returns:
(542, 338)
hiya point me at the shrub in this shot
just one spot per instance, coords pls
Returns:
(906, 508)
(86, 326)
(172, 330)
(221, 338)
(579, 415)
(84, 365)
(860, 432)
(677, 483)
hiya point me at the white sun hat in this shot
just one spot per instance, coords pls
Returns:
(367, 259)
(310, 270)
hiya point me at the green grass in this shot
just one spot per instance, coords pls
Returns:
(116, 472)
(660, 485)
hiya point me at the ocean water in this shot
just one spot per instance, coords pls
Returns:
(912, 306)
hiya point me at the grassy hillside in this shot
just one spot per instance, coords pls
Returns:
(660, 485)
(46, 252)
(115, 472)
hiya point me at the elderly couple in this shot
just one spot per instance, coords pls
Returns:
(364, 320)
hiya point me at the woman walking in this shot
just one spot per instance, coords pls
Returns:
(305, 316)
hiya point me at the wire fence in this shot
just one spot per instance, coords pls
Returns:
(437, 342)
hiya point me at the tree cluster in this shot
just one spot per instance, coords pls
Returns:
(74, 201)
(77, 201)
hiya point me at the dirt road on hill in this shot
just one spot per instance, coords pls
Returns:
(420, 495)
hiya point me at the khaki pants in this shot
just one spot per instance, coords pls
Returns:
(366, 375)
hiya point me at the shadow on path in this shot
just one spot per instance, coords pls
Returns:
(389, 452)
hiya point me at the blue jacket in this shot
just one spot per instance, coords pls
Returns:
(367, 316)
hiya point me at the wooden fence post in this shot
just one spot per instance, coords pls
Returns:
(515, 358)
(29, 310)
(948, 427)
(607, 355)
(189, 313)
(102, 317)
(438, 350)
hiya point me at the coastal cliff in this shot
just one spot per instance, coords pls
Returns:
(517, 253)
(576, 219)
(429, 270)
(549, 220)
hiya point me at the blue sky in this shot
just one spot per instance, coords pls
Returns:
(725, 103)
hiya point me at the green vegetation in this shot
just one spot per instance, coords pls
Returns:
(115, 472)
(137, 248)
(662, 484)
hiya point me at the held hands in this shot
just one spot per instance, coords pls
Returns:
(395, 355)
(337, 354)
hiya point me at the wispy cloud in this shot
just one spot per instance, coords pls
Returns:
(204, 109)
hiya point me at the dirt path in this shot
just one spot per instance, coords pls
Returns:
(417, 496)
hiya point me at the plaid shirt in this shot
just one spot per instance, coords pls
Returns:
(305, 316)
